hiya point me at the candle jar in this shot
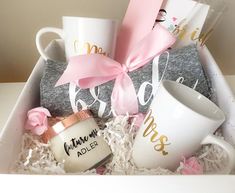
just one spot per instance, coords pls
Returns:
(75, 142)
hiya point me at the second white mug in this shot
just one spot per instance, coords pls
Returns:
(179, 122)
(83, 35)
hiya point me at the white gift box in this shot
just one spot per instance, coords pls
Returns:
(10, 136)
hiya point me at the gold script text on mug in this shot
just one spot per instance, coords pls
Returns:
(160, 142)
(181, 32)
(89, 48)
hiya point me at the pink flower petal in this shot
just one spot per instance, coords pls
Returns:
(191, 166)
(100, 170)
(40, 110)
(39, 130)
(37, 120)
(45, 122)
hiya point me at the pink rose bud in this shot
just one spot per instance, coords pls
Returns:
(37, 120)
(191, 166)
(100, 170)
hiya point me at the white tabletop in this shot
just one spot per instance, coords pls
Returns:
(9, 92)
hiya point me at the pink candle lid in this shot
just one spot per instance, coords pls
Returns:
(64, 124)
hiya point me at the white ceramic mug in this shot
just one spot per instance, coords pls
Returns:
(179, 122)
(83, 35)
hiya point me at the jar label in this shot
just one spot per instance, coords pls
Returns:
(87, 149)
(76, 142)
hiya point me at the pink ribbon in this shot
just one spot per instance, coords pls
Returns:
(92, 70)
(137, 23)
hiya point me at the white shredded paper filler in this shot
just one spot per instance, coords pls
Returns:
(37, 158)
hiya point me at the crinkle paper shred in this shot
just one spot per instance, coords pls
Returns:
(36, 157)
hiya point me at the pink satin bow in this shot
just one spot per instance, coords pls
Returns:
(92, 70)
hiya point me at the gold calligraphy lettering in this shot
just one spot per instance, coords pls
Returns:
(151, 125)
(88, 48)
(204, 37)
(100, 51)
(160, 147)
(151, 129)
(194, 33)
(181, 32)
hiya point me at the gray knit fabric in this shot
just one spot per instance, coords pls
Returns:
(184, 62)
(56, 99)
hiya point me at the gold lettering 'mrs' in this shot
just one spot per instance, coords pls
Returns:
(160, 142)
